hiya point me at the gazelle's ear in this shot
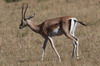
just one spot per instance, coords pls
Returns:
(31, 16)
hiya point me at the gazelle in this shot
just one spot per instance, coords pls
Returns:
(65, 25)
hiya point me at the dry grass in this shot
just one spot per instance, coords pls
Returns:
(23, 47)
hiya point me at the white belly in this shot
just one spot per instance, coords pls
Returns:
(56, 32)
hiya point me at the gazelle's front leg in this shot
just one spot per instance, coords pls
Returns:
(44, 47)
(53, 46)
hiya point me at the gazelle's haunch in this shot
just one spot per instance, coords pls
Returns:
(65, 25)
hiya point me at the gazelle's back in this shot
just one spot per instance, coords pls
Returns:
(53, 27)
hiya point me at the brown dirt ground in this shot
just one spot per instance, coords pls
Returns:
(23, 47)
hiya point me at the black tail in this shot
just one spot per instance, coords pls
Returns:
(81, 23)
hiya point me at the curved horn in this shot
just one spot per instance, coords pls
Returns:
(22, 10)
(25, 10)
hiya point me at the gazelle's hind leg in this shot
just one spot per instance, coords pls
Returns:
(70, 34)
(72, 30)
(75, 45)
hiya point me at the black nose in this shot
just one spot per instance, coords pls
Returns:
(20, 27)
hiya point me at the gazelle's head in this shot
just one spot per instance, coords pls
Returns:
(24, 20)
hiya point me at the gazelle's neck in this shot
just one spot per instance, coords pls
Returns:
(35, 28)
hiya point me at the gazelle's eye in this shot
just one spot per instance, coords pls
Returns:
(24, 19)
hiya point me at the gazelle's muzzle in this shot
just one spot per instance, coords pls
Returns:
(21, 26)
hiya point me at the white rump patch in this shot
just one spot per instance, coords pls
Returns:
(73, 26)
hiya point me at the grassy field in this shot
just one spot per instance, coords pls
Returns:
(23, 47)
